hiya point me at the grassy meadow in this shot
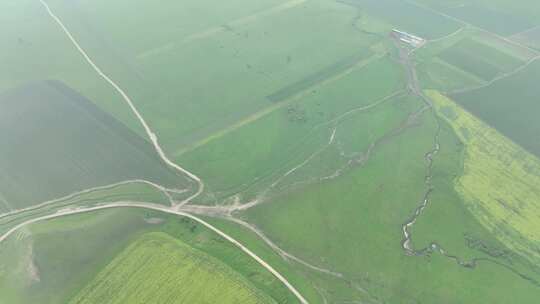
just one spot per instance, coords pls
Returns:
(361, 214)
(255, 153)
(301, 104)
(254, 53)
(479, 59)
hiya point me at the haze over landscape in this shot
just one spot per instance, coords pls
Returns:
(270, 151)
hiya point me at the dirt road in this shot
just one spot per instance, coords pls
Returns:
(153, 137)
(164, 209)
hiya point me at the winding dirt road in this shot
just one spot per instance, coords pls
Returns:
(129, 204)
(174, 209)
(153, 137)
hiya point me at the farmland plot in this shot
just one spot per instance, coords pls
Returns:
(157, 268)
(56, 142)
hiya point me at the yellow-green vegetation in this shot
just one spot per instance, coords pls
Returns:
(500, 180)
(158, 268)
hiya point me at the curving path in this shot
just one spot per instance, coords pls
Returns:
(155, 207)
(153, 137)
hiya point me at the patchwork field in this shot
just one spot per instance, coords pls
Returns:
(467, 59)
(243, 60)
(56, 142)
(352, 225)
(408, 16)
(256, 153)
(510, 105)
(500, 184)
(479, 59)
(160, 269)
(325, 146)
(53, 262)
(517, 15)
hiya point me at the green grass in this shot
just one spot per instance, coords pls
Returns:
(352, 224)
(510, 106)
(32, 56)
(500, 181)
(58, 142)
(69, 252)
(190, 88)
(467, 59)
(66, 254)
(126, 192)
(160, 269)
(256, 152)
(438, 74)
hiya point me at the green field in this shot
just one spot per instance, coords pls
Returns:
(249, 153)
(352, 225)
(68, 253)
(360, 168)
(510, 106)
(517, 15)
(479, 59)
(215, 72)
(467, 59)
(160, 269)
(500, 181)
(408, 16)
(57, 142)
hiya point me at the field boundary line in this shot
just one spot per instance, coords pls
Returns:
(496, 79)
(226, 26)
(413, 2)
(524, 32)
(73, 195)
(278, 105)
(150, 206)
(152, 136)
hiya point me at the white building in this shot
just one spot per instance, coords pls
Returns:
(410, 39)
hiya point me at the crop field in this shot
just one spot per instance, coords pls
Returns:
(61, 256)
(32, 55)
(511, 174)
(74, 145)
(479, 59)
(235, 59)
(408, 16)
(64, 256)
(299, 129)
(157, 262)
(272, 151)
(467, 59)
(510, 106)
(360, 236)
(517, 15)
(439, 74)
